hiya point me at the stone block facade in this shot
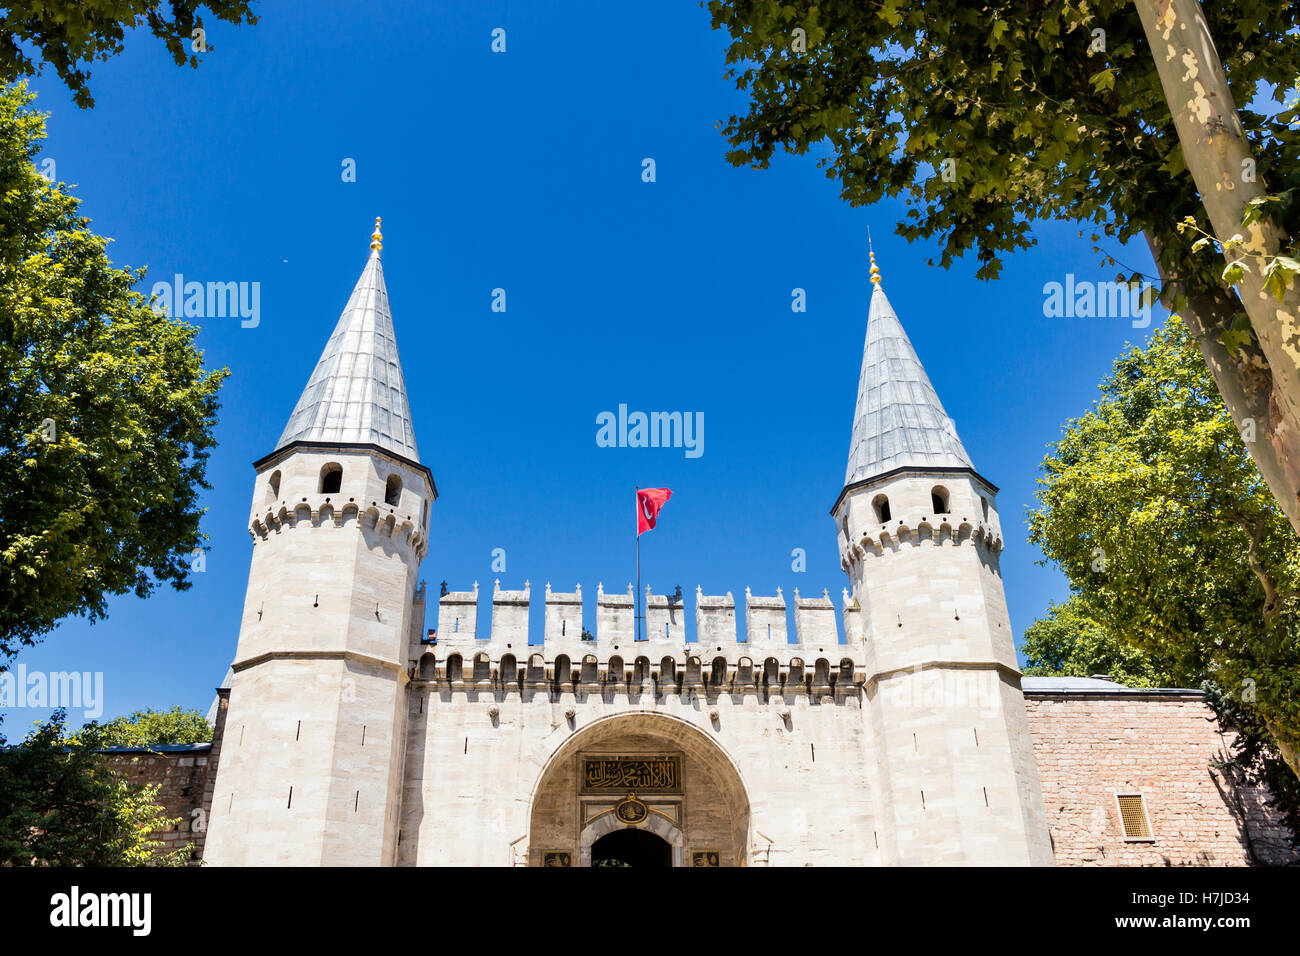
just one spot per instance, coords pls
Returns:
(799, 784)
(767, 735)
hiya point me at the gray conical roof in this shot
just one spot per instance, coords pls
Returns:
(357, 394)
(899, 421)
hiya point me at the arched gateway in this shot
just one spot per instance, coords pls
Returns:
(639, 789)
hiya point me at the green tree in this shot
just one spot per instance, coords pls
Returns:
(60, 805)
(144, 728)
(1156, 514)
(1066, 642)
(71, 36)
(106, 412)
(987, 117)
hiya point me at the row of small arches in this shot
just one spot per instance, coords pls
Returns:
(769, 673)
(939, 503)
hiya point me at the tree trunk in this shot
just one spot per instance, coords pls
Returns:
(1244, 380)
(1286, 746)
(1217, 155)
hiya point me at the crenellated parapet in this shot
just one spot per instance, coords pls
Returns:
(458, 613)
(853, 620)
(615, 616)
(814, 620)
(510, 615)
(924, 530)
(323, 512)
(715, 618)
(665, 655)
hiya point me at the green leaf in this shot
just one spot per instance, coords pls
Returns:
(1278, 274)
(1103, 80)
(1237, 335)
(1235, 271)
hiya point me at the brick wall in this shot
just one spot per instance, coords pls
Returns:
(183, 774)
(1091, 746)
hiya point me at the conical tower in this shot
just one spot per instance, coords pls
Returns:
(311, 761)
(955, 778)
(357, 394)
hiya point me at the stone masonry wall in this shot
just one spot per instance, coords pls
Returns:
(182, 774)
(1092, 746)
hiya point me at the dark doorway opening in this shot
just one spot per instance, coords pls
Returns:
(631, 847)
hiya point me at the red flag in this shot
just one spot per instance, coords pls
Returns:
(648, 503)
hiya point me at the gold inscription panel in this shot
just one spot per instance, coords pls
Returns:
(650, 774)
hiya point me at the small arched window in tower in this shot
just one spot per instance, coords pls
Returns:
(331, 478)
(273, 488)
(424, 519)
(984, 504)
(939, 499)
(881, 504)
(393, 490)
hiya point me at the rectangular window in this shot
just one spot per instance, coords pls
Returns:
(1133, 817)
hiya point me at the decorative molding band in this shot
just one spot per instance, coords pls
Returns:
(351, 656)
(1009, 672)
(579, 691)
(1114, 693)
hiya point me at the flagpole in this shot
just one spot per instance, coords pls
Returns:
(636, 608)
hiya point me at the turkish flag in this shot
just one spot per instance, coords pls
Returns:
(648, 503)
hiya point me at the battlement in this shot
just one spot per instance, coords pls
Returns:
(322, 511)
(716, 656)
(939, 530)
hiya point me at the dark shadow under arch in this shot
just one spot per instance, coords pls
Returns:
(631, 847)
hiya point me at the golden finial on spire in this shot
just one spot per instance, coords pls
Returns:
(376, 240)
(875, 272)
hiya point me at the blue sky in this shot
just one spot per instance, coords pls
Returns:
(522, 171)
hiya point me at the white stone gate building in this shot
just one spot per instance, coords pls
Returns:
(350, 737)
